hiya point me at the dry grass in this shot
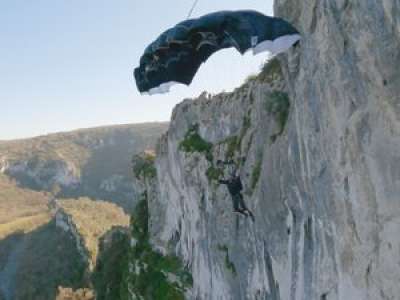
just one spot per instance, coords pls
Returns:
(24, 224)
(93, 219)
(18, 202)
(70, 294)
(21, 210)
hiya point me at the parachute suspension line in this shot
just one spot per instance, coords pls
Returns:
(192, 9)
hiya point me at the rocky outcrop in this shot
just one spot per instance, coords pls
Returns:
(316, 148)
(42, 174)
(64, 221)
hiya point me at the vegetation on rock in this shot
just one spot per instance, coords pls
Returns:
(270, 71)
(193, 142)
(214, 173)
(152, 275)
(143, 165)
(50, 259)
(111, 263)
(278, 104)
(228, 263)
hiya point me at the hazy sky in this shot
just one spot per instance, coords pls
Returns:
(67, 64)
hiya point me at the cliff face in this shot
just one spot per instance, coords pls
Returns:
(317, 149)
(345, 139)
(230, 256)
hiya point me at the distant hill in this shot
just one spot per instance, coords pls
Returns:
(91, 163)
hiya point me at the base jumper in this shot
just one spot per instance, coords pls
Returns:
(235, 187)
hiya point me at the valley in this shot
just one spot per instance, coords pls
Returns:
(59, 196)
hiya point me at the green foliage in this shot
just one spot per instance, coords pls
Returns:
(43, 264)
(139, 220)
(193, 142)
(228, 264)
(270, 71)
(214, 173)
(278, 104)
(143, 166)
(250, 78)
(233, 143)
(109, 271)
(154, 276)
(255, 175)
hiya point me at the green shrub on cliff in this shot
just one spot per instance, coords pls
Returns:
(152, 275)
(270, 71)
(193, 142)
(278, 104)
(110, 266)
(143, 165)
(214, 173)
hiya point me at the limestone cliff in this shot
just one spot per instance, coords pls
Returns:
(316, 141)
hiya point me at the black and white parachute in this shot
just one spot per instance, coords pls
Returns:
(176, 55)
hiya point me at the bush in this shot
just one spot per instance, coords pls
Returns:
(214, 173)
(278, 104)
(143, 166)
(109, 271)
(154, 276)
(193, 142)
(250, 78)
(270, 71)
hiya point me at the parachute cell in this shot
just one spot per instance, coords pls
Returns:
(176, 55)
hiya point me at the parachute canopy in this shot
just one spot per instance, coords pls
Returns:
(176, 55)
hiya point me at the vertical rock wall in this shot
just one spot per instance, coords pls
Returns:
(324, 186)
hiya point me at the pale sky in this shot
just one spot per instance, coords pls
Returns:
(67, 64)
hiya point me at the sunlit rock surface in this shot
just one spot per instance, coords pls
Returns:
(324, 186)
